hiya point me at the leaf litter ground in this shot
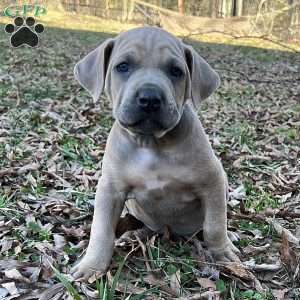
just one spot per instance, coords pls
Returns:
(52, 140)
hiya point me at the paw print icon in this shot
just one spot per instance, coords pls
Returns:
(24, 32)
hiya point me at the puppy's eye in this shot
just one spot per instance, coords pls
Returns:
(122, 67)
(176, 72)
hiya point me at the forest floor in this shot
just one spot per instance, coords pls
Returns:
(52, 140)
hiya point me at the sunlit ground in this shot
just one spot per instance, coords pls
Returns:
(69, 20)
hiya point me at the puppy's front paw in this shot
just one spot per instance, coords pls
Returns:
(227, 253)
(88, 267)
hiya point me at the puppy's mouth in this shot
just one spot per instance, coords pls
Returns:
(145, 126)
(151, 123)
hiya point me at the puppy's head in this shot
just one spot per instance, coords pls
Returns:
(148, 74)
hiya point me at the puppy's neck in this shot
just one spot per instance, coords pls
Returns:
(176, 135)
(145, 141)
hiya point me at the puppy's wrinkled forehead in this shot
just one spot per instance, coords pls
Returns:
(147, 42)
(143, 48)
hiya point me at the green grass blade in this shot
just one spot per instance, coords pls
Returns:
(116, 279)
(67, 284)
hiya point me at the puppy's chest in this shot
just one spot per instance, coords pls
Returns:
(158, 177)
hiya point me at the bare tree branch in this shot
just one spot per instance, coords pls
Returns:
(261, 37)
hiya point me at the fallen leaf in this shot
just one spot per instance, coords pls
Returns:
(3, 293)
(6, 245)
(51, 292)
(237, 269)
(27, 168)
(280, 230)
(78, 232)
(206, 283)
(262, 267)
(288, 256)
(122, 287)
(59, 242)
(11, 288)
(253, 250)
(209, 295)
(239, 193)
(16, 275)
(279, 294)
(175, 283)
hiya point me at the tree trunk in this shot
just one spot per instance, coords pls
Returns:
(131, 10)
(237, 8)
(125, 10)
(220, 8)
(291, 19)
(226, 8)
(213, 9)
(181, 6)
(107, 9)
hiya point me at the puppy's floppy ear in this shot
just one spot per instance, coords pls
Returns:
(204, 80)
(91, 70)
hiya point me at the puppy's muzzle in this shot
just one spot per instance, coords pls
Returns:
(149, 99)
(147, 108)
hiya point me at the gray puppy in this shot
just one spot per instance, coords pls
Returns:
(157, 153)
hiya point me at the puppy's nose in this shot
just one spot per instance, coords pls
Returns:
(149, 99)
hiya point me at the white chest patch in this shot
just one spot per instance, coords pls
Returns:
(155, 175)
(146, 159)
